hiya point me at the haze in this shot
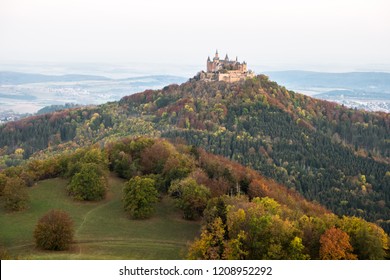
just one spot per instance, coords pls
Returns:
(331, 35)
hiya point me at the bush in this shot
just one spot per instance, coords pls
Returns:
(54, 231)
(15, 194)
(88, 184)
(139, 197)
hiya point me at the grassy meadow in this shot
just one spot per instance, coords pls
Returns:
(102, 229)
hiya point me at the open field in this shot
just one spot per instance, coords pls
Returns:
(102, 229)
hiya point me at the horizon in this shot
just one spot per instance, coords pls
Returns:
(134, 69)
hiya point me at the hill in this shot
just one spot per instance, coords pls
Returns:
(330, 154)
(244, 215)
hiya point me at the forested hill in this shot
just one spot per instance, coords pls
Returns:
(337, 156)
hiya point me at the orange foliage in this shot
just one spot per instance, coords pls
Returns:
(335, 245)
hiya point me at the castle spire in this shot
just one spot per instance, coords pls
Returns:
(226, 58)
(216, 54)
(208, 59)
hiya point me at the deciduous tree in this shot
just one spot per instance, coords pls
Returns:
(88, 184)
(190, 197)
(139, 197)
(335, 245)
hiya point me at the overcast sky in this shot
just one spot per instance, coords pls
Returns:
(278, 34)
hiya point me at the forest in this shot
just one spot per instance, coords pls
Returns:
(244, 215)
(331, 154)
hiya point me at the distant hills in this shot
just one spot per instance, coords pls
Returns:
(35, 91)
(362, 90)
(366, 80)
(16, 78)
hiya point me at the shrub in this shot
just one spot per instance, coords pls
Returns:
(54, 231)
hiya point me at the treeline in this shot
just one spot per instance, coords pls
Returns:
(245, 215)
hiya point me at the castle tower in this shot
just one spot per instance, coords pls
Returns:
(216, 55)
(226, 58)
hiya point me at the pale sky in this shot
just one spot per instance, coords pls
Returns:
(280, 34)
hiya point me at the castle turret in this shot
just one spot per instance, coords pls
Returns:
(216, 55)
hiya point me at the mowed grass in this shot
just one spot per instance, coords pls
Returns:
(102, 229)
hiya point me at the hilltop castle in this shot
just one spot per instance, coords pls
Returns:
(225, 70)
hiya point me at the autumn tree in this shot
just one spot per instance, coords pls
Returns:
(211, 244)
(335, 245)
(153, 158)
(54, 231)
(177, 166)
(89, 184)
(190, 197)
(369, 241)
(267, 235)
(15, 194)
(3, 181)
(139, 197)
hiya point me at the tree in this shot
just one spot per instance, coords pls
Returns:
(15, 194)
(139, 197)
(3, 181)
(153, 158)
(54, 231)
(369, 241)
(88, 184)
(177, 166)
(190, 197)
(211, 244)
(335, 245)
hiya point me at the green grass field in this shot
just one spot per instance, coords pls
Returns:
(102, 229)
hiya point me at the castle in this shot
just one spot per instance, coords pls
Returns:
(225, 70)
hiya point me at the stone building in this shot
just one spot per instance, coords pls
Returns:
(226, 70)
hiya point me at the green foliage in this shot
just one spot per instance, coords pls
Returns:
(54, 231)
(78, 159)
(139, 197)
(125, 155)
(190, 197)
(369, 241)
(177, 166)
(88, 184)
(15, 194)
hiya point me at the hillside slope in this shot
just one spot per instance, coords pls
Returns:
(244, 215)
(331, 154)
